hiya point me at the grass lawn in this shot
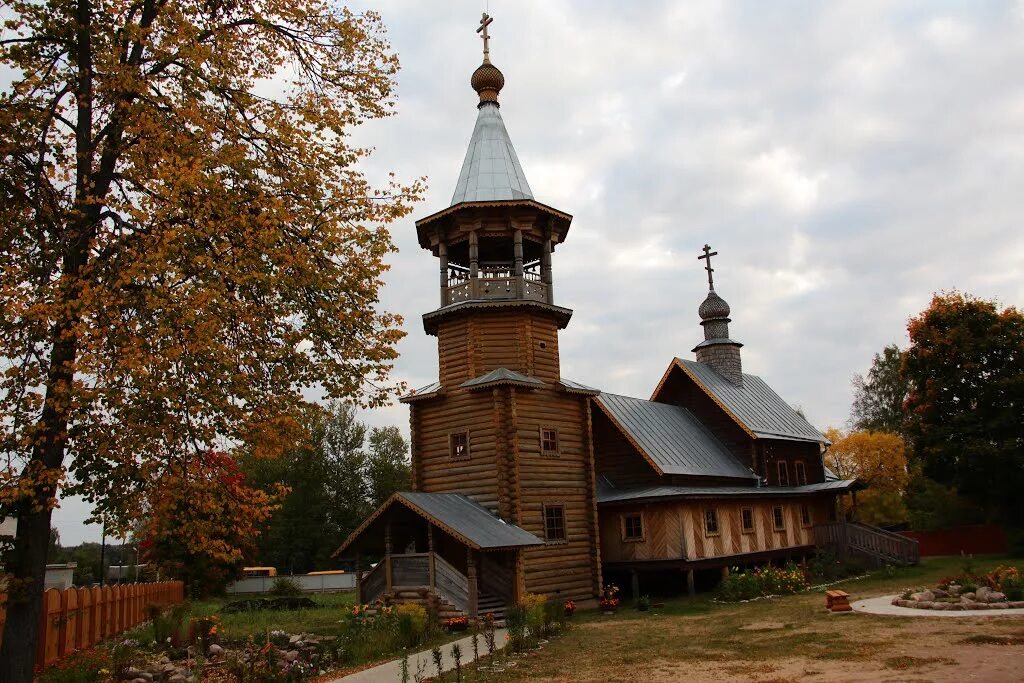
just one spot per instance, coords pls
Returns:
(324, 619)
(791, 638)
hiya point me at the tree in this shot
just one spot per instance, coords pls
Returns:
(388, 464)
(878, 459)
(965, 410)
(878, 399)
(203, 521)
(183, 254)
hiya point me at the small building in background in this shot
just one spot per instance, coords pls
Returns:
(60, 576)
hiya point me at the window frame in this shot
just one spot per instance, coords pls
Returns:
(806, 521)
(544, 519)
(451, 445)
(800, 472)
(558, 442)
(753, 522)
(781, 509)
(626, 538)
(718, 524)
(781, 466)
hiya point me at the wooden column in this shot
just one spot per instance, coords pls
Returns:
(387, 557)
(474, 255)
(359, 578)
(691, 586)
(471, 576)
(442, 254)
(635, 578)
(545, 270)
(430, 557)
(517, 252)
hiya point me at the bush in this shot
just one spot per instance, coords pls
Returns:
(767, 580)
(644, 603)
(412, 623)
(84, 666)
(285, 587)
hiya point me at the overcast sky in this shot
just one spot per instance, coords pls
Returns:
(846, 160)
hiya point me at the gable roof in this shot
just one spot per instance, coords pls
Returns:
(754, 405)
(465, 519)
(491, 169)
(430, 391)
(501, 376)
(608, 495)
(671, 438)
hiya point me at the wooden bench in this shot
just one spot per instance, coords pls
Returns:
(837, 601)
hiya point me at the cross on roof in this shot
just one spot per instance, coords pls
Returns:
(485, 21)
(707, 257)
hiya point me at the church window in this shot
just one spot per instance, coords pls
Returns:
(783, 473)
(801, 474)
(633, 527)
(548, 441)
(458, 445)
(747, 519)
(779, 518)
(710, 522)
(554, 523)
(805, 515)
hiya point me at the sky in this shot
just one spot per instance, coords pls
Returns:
(846, 159)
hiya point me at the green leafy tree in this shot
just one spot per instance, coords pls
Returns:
(965, 410)
(183, 251)
(388, 464)
(878, 398)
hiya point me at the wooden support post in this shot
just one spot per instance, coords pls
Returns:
(471, 577)
(725, 572)
(691, 583)
(545, 270)
(474, 255)
(635, 578)
(430, 557)
(359, 578)
(517, 252)
(387, 557)
(442, 253)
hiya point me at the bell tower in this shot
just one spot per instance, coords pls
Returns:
(500, 425)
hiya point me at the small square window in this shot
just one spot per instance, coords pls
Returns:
(801, 474)
(779, 518)
(632, 527)
(458, 445)
(711, 522)
(783, 473)
(805, 515)
(548, 441)
(554, 523)
(747, 519)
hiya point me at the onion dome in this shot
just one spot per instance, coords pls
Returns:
(714, 307)
(487, 80)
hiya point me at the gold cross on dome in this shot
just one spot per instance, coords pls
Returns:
(485, 21)
(707, 257)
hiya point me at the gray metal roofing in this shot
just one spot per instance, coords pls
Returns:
(422, 392)
(673, 438)
(469, 519)
(576, 386)
(502, 375)
(491, 170)
(609, 495)
(756, 405)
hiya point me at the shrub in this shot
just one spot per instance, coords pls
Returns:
(412, 623)
(515, 622)
(643, 603)
(285, 587)
(534, 605)
(767, 580)
(84, 666)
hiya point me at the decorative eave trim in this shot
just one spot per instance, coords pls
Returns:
(676, 363)
(504, 383)
(493, 204)
(414, 397)
(629, 437)
(431, 319)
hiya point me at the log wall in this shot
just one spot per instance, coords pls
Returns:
(477, 342)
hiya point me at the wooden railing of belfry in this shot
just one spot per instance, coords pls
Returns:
(78, 618)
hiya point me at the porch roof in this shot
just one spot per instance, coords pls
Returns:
(466, 520)
(609, 496)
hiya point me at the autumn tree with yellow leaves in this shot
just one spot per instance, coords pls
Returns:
(187, 241)
(877, 459)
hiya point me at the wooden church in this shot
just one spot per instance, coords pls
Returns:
(526, 481)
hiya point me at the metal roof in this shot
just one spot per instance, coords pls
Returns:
(429, 391)
(502, 376)
(672, 438)
(577, 388)
(468, 519)
(491, 170)
(650, 493)
(755, 404)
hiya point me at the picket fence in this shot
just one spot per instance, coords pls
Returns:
(78, 618)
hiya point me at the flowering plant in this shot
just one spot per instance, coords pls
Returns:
(569, 607)
(457, 624)
(610, 597)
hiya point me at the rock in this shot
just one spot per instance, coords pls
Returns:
(939, 593)
(1019, 604)
(996, 596)
(163, 660)
(146, 676)
(176, 678)
(294, 639)
(215, 650)
(291, 655)
(970, 596)
(954, 589)
(981, 595)
(169, 668)
(923, 596)
(138, 680)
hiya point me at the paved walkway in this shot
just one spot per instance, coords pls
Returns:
(391, 672)
(883, 605)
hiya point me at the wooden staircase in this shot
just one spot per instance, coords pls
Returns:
(878, 546)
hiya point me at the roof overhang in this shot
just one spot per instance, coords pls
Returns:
(431, 320)
(656, 494)
(466, 216)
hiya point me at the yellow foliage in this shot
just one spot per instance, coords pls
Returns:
(878, 459)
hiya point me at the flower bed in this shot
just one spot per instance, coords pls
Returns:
(1000, 589)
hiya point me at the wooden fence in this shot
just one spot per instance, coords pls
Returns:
(78, 618)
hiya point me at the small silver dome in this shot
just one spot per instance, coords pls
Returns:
(713, 307)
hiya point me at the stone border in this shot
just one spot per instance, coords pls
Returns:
(883, 605)
(969, 606)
